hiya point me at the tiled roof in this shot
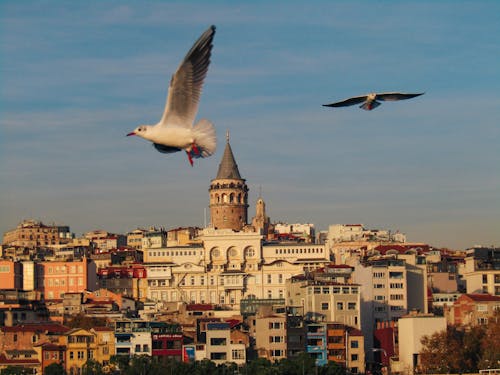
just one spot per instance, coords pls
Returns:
(40, 327)
(483, 297)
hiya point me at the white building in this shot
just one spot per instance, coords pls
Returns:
(412, 328)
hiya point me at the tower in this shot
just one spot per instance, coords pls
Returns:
(228, 194)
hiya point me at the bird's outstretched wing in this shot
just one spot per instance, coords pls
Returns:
(186, 84)
(347, 102)
(165, 149)
(391, 96)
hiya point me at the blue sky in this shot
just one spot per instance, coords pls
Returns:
(77, 76)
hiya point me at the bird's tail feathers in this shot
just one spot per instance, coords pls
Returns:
(368, 106)
(205, 137)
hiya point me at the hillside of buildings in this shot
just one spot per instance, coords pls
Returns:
(242, 295)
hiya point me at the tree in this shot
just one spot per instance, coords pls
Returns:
(13, 370)
(452, 350)
(490, 345)
(54, 369)
(92, 367)
(85, 322)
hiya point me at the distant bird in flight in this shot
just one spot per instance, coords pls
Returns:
(370, 101)
(175, 131)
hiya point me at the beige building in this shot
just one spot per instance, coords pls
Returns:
(219, 348)
(481, 272)
(270, 332)
(33, 233)
(326, 301)
(411, 330)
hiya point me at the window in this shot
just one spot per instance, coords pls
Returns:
(276, 353)
(71, 355)
(137, 348)
(351, 306)
(269, 279)
(482, 308)
(397, 285)
(354, 357)
(485, 278)
(396, 297)
(145, 348)
(340, 305)
(81, 355)
(325, 306)
(238, 354)
(354, 344)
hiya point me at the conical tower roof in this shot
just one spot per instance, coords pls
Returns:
(228, 169)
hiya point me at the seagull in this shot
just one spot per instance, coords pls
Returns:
(370, 100)
(175, 131)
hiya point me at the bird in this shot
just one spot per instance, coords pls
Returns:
(175, 130)
(370, 100)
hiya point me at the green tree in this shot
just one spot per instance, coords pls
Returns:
(54, 369)
(92, 367)
(13, 370)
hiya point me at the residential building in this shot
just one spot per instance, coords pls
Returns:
(55, 278)
(473, 309)
(133, 337)
(49, 353)
(413, 328)
(316, 345)
(11, 274)
(33, 234)
(124, 280)
(167, 340)
(104, 344)
(325, 301)
(25, 336)
(270, 333)
(219, 348)
(81, 346)
(482, 270)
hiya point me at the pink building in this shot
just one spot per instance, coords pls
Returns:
(55, 278)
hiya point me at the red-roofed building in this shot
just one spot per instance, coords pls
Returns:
(22, 362)
(25, 336)
(49, 353)
(473, 309)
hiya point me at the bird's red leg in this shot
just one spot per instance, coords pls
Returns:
(195, 149)
(189, 158)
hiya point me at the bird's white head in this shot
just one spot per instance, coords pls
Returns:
(141, 131)
(372, 96)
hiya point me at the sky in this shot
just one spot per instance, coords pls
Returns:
(76, 77)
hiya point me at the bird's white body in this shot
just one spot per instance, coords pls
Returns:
(172, 135)
(175, 131)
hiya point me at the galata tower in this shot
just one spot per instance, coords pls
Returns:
(228, 194)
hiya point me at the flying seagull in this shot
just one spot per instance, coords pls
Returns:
(370, 101)
(175, 131)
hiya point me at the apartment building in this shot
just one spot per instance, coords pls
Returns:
(55, 278)
(412, 328)
(219, 348)
(33, 234)
(11, 274)
(325, 301)
(482, 270)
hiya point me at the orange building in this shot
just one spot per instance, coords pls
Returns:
(55, 278)
(11, 274)
(49, 353)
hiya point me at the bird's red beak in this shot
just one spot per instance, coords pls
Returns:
(129, 134)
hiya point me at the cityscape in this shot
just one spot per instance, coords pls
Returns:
(249, 188)
(237, 290)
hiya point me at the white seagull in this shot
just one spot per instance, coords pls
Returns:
(370, 100)
(175, 131)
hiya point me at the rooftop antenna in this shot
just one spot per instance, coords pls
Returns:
(227, 136)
